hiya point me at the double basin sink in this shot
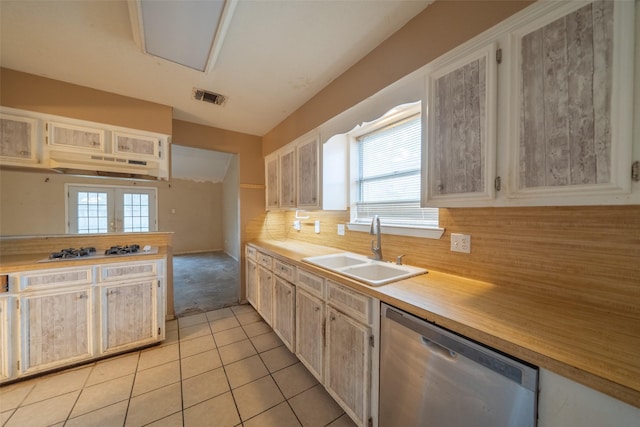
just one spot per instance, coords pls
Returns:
(363, 269)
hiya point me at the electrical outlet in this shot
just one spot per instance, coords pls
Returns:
(317, 227)
(296, 224)
(461, 243)
(340, 229)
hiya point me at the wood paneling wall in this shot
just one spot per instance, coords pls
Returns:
(588, 254)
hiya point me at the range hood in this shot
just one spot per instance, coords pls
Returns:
(103, 165)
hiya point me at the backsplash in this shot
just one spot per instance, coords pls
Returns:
(589, 254)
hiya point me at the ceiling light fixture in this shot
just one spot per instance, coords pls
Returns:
(187, 32)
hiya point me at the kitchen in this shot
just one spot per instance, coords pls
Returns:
(587, 255)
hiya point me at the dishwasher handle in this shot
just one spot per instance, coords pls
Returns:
(512, 369)
(438, 348)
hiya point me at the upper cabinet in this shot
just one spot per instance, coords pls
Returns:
(292, 175)
(17, 139)
(571, 105)
(538, 111)
(460, 132)
(61, 144)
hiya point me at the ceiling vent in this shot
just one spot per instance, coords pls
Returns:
(210, 97)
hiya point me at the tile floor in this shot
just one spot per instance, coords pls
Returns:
(221, 368)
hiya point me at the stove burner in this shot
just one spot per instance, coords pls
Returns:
(122, 250)
(72, 253)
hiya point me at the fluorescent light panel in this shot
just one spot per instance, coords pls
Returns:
(184, 31)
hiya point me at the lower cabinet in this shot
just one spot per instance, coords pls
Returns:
(310, 311)
(252, 285)
(284, 308)
(5, 327)
(265, 294)
(129, 315)
(55, 329)
(348, 361)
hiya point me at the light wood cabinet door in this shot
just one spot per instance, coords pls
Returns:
(141, 146)
(252, 285)
(284, 311)
(271, 179)
(75, 137)
(5, 327)
(287, 176)
(17, 138)
(129, 315)
(308, 174)
(572, 104)
(461, 132)
(310, 332)
(348, 356)
(56, 329)
(265, 294)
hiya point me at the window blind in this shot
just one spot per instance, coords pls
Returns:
(388, 181)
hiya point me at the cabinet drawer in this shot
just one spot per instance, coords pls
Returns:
(113, 272)
(265, 260)
(46, 279)
(352, 303)
(310, 282)
(284, 270)
(250, 252)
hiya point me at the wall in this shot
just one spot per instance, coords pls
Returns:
(231, 209)
(34, 203)
(34, 93)
(439, 28)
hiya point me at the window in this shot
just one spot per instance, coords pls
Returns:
(386, 164)
(110, 209)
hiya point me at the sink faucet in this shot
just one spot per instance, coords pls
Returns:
(376, 230)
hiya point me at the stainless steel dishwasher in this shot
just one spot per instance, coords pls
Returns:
(430, 377)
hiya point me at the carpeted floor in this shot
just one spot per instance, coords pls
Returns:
(203, 282)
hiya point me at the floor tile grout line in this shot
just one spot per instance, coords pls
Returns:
(181, 379)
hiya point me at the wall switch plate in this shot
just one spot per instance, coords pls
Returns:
(317, 227)
(340, 229)
(296, 224)
(461, 243)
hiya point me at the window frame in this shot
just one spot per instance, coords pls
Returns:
(396, 114)
(116, 205)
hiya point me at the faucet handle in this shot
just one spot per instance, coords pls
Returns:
(399, 259)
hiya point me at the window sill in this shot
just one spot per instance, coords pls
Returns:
(424, 232)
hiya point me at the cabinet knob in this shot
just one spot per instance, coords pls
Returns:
(317, 308)
(333, 318)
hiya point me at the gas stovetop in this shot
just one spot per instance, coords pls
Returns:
(69, 254)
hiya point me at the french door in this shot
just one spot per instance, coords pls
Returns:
(111, 209)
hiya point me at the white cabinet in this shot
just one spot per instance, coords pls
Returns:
(5, 336)
(537, 111)
(252, 282)
(287, 177)
(348, 361)
(293, 175)
(284, 305)
(140, 145)
(461, 138)
(572, 105)
(129, 315)
(17, 139)
(308, 173)
(75, 137)
(55, 328)
(310, 312)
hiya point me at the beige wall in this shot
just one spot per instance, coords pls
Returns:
(438, 29)
(34, 204)
(34, 93)
(231, 209)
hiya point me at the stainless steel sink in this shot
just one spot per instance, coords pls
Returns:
(363, 269)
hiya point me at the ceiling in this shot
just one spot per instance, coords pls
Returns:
(277, 54)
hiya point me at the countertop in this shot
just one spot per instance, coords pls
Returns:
(591, 344)
(27, 262)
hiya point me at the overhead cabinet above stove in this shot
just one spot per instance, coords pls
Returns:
(32, 140)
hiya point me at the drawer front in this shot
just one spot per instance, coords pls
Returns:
(350, 302)
(310, 282)
(47, 279)
(265, 260)
(284, 270)
(250, 252)
(115, 272)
